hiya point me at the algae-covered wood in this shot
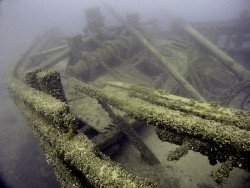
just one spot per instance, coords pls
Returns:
(76, 122)
(226, 60)
(171, 119)
(77, 150)
(189, 88)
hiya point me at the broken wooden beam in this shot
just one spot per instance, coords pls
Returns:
(48, 52)
(108, 139)
(46, 64)
(54, 59)
(214, 152)
(226, 60)
(50, 82)
(131, 134)
(179, 152)
(209, 111)
(45, 104)
(206, 130)
(177, 76)
(64, 174)
(221, 175)
(134, 138)
(77, 150)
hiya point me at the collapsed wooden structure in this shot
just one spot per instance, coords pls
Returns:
(75, 147)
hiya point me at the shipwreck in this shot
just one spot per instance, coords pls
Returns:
(84, 95)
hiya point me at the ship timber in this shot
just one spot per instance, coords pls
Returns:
(84, 96)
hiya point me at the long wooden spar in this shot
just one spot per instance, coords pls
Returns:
(241, 73)
(178, 77)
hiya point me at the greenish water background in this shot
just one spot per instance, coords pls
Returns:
(22, 163)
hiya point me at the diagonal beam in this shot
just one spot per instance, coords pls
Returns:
(227, 61)
(177, 76)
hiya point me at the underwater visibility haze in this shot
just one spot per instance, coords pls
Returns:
(147, 93)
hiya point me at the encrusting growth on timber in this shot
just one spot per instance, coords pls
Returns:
(78, 150)
(227, 61)
(131, 135)
(189, 88)
(178, 121)
(48, 81)
(179, 152)
(121, 81)
(212, 111)
(223, 172)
